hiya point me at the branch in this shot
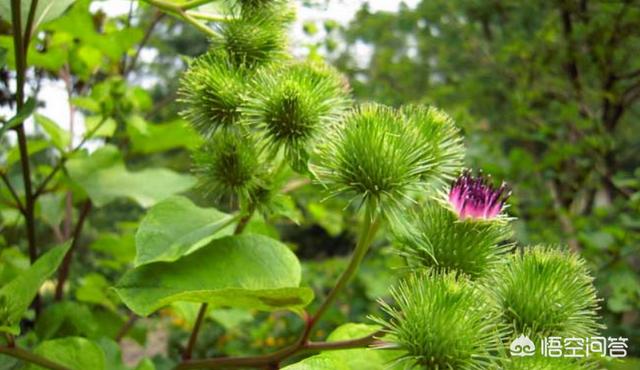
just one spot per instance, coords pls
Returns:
(242, 222)
(194, 333)
(63, 272)
(180, 11)
(41, 188)
(276, 357)
(145, 39)
(209, 17)
(127, 326)
(28, 30)
(20, 46)
(27, 356)
(13, 192)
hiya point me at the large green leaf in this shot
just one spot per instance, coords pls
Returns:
(248, 271)
(175, 227)
(105, 178)
(350, 359)
(46, 11)
(73, 352)
(16, 296)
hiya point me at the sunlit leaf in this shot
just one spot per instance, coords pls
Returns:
(74, 352)
(245, 271)
(105, 178)
(16, 296)
(175, 227)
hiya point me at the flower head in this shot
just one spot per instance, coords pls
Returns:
(292, 106)
(475, 197)
(212, 91)
(441, 321)
(229, 165)
(546, 292)
(382, 157)
(435, 238)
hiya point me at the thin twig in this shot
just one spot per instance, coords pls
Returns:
(186, 355)
(63, 272)
(209, 17)
(194, 333)
(13, 192)
(180, 11)
(27, 356)
(132, 64)
(28, 30)
(127, 326)
(42, 187)
(276, 357)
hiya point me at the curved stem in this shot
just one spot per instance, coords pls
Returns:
(194, 333)
(63, 271)
(242, 223)
(27, 356)
(276, 357)
(180, 11)
(209, 17)
(369, 229)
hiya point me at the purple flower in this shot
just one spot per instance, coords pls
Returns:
(474, 197)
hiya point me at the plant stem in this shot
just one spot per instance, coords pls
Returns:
(28, 30)
(20, 46)
(42, 187)
(180, 11)
(209, 17)
(27, 356)
(126, 327)
(186, 355)
(369, 229)
(63, 272)
(276, 357)
(195, 3)
(194, 333)
(13, 192)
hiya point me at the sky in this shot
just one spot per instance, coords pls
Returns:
(54, 96)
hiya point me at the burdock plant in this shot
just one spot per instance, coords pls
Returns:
(546, 292)
(292, 106)
(382, 157)
(267, 121)
(441, 321)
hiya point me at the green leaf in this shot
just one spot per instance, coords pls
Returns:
(100, 127)
(16, 296)
(23, 114)
(73, 352)
(104, 177)
(59, 136)
(94, 288)
(152, 138)
(350, 359)
(65, 319)
(176, 227)
(245, 271)
(46, 11)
